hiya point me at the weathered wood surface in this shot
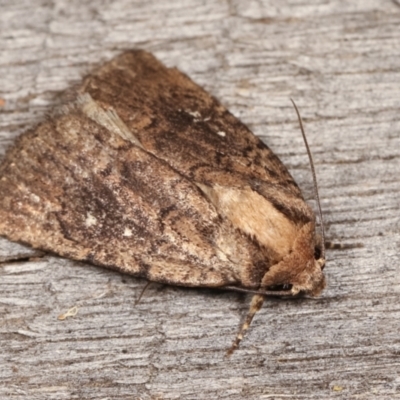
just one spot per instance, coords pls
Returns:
(340, 61)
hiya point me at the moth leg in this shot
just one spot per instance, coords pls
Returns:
(342, 246)
(255, 305)
(142, 292)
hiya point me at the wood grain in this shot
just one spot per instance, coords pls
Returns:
(340, 61)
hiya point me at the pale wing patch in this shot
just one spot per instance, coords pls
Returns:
(35, 198)
(91, 220)
(254, 215)
(127, 232)
(194, 114)
(108, 119)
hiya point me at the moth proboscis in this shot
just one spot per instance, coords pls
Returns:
(146, 173)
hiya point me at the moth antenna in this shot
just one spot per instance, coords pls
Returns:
(342, 246)
(142, 292)
(255, 305)
(316, 194)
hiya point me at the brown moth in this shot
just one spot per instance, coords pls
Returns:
(146, 173)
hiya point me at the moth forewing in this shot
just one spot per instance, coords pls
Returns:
(146, 173)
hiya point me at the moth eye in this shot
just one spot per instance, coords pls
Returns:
(317, 257)
(317, 253)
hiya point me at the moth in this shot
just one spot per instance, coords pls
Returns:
(146, 173)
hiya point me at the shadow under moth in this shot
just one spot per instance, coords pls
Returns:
(144, 172)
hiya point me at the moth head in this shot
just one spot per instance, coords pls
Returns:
(300, 271)
(311, 279)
